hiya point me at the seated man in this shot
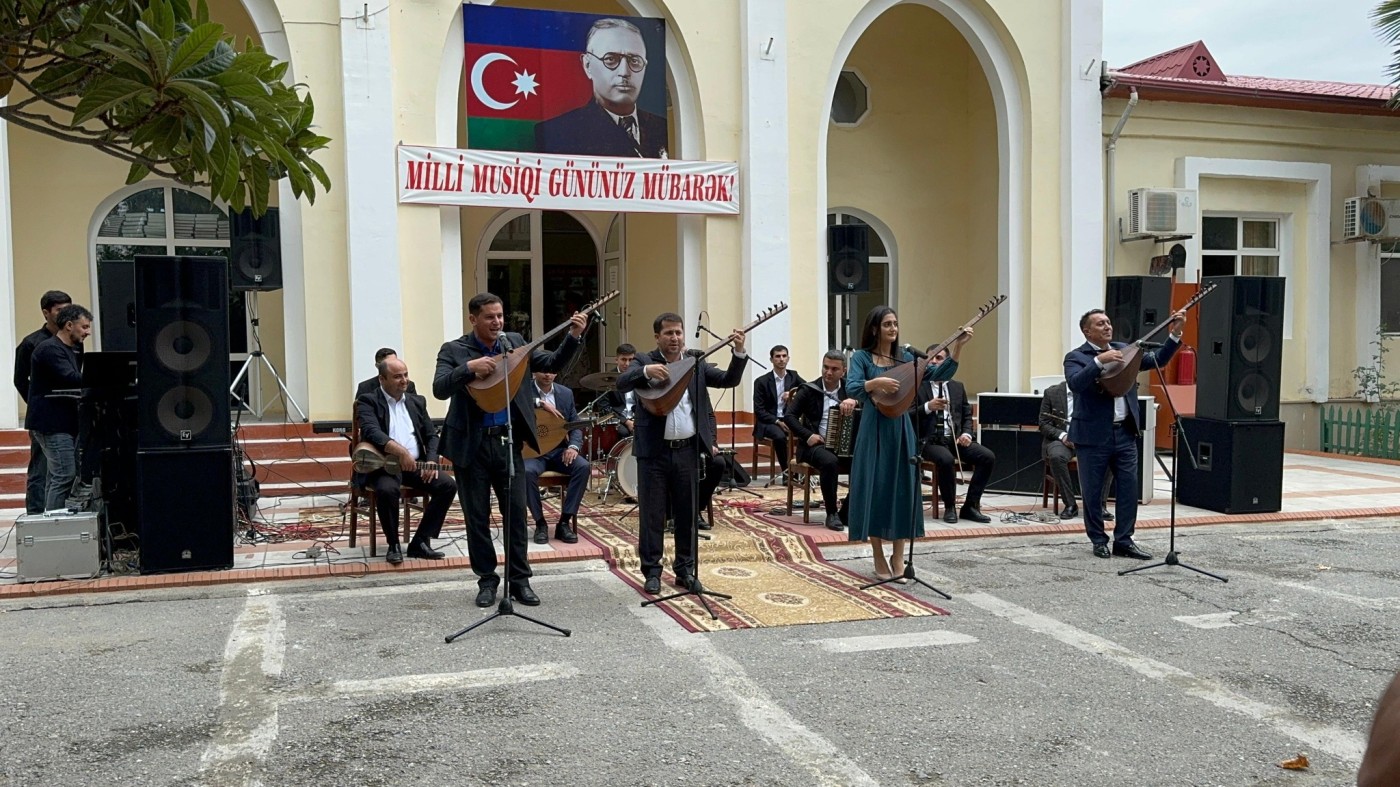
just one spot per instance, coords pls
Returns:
(372, 384)
(771, 392)
(808, 418)
(564, 458)
(1056, 410)
(397, 423)
(945, 434)
(619, 403)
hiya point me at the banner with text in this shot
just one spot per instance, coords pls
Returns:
(448, 176)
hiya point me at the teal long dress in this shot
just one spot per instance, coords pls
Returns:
(886, 499)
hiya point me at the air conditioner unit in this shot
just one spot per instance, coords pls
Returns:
(1159, 212)
(1369, 218)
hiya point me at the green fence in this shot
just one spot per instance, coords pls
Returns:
(1362, 431)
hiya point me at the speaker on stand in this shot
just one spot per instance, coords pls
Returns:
(1240, 358)
(116, 304)
(848, 268)
(1137, 304)
(255, 265)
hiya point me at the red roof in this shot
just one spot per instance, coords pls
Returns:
(1192, 61)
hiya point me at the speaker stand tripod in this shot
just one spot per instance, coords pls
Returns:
(258, 357)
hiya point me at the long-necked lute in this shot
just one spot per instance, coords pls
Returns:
(367, 459)
(490, 391)
(662, 399)
(910, 373)
(1118, 377)
(550, 431)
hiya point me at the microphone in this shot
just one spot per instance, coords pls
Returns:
(1150, 345)
(914, 351)
(700, 322)
(693, 353)
(598, 315)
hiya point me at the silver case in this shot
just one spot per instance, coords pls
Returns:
(56, 546)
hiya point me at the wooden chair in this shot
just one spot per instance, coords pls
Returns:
(362, 500)
(1048, 484)
(764, 447)
(795, 469)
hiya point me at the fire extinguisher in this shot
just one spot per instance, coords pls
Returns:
(1186, 366)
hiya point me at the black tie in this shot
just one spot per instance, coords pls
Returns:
(629, 124)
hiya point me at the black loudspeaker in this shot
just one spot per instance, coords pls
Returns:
(255, 251)
(182, 352)
(1240, 468)
(1240, 356)
(186, 504)
(848, 259)
(1137, 304)
(116, 304)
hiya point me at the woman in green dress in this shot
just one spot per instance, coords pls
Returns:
(886, 500)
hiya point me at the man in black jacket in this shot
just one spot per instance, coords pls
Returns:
(1055, 415)
(36, 482)
(808, 418)
(372, 384)
(669, 448)
(770, 393)
(474, 439)
(945, 430)
(397, 423)
(52, 416)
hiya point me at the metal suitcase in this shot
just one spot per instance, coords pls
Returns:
(57, 546)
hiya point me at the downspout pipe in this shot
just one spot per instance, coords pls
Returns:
(1110, 234)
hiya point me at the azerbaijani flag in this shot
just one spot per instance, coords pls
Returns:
(522, 66)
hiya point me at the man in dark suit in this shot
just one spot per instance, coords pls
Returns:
(37, 478)
(610, 124)
(945, 436)
(474, 440)
(808, 419)
(618, 403)
(564, 458)
(372, 384)
(397, 423)
(770, 393)
(1105, 428)
(1056, 412)
(668, 448)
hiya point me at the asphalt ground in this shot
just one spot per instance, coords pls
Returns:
(1050, 670)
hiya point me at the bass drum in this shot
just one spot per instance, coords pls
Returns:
(623, 465)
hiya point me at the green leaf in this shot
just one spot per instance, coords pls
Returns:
(156, 49)
(124, 55)
(104, 96)
(200, 42)
(258, 185)
(136, 174)
(159, 18)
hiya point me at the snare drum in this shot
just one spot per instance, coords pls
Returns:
(601, 437)
(623, 465)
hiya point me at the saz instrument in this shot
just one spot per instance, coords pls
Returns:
(910, 373)
(490, 391)
(550, 431)
(1118, 377)
(661, 400)
(367, 459)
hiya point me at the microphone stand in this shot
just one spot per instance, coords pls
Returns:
(1178, 437)
(505, 606)
(730, 486)
(916, 515)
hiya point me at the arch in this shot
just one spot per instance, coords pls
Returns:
(508, 215)
(1002, 68)
(685, 103)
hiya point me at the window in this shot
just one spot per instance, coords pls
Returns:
(1390, 288)
(1238, 246)
(851, 102)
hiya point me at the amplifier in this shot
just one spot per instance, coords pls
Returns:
(56, 546)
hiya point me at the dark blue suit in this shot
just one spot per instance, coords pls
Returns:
(1101, 444)
(577, 471)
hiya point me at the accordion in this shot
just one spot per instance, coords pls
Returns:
(841, 431)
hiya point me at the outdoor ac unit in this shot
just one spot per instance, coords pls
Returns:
(1158, 212)
(1369, 218)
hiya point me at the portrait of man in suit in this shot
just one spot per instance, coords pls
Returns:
(614, 59)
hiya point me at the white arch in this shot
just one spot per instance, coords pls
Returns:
(999, 66)
(508, 215)
(685, 103)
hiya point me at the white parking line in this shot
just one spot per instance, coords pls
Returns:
(1214, 620)
(920, 639)
(453, 681)
(247, 706)
(1346, 745)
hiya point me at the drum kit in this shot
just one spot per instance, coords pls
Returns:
(604, 446)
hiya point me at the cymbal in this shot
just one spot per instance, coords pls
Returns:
(600, 381)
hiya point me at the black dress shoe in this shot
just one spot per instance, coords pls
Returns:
(486, 596)
(525, 595)
(541, 533)
(834, 522)
(1130, 550)
(564, 531)
(1101, 550)
(421, 550)
(394, 555)
(652, 585)
(1107, 515)
(1070, 512)
(685, 579)
(951, 516)
(975, 514)
(702, 524)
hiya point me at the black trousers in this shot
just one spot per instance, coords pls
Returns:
(940, 452)
(387, 494)
(1057, 454)
(829, 468)
(487, 472)
(667, 482)
(579, 472)
(774, 434)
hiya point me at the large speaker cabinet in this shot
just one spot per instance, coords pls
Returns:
(1137, 305)
(848, 259)
(1240, 468)
(1241, 353)
(186, 508)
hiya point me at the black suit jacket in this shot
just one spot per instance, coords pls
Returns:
(765, 397)
(591, 131)
(1093, 409)
(650, 430)
(1054, 411)
(372, 416)
(804, 413)
(372, 384)
(959, 411)
(462, 431)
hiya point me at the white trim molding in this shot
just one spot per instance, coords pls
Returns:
(1369, 180)
(1005, 84)
(1317, 182)
(9, 328)
(1081, 166)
